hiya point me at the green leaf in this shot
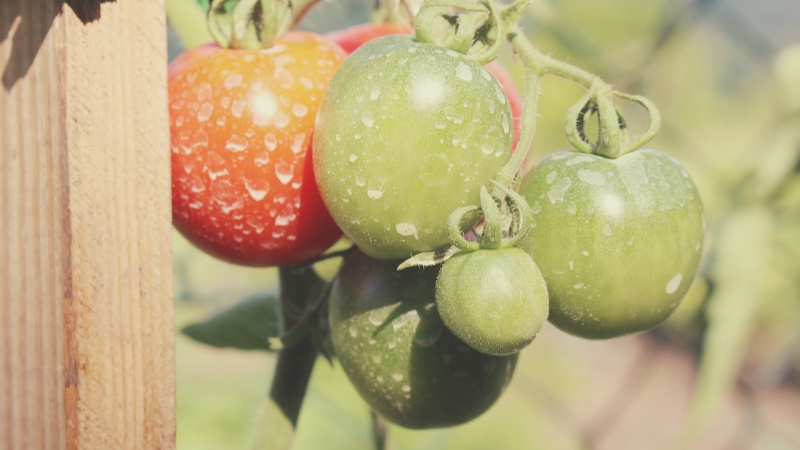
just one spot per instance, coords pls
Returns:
(741, 275)
(188, 19)
(252, 324)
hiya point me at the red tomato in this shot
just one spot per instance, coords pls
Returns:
(353, 37)
(240, 125)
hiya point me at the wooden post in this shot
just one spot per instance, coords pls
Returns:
(86, 308)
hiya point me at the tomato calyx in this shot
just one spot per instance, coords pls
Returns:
(474, 28)
(253, 24)
(506, 219)
(613, 136)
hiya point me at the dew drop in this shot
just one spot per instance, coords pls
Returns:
(261, 159)
(463, 72)
(607, 230)
(374, 194)
(214, 166)
(257, 188)
(204, 93)
(204, 112)
(367, 119)
(376, 92)
(238, 108)
(232, 81)
(297, 143)
(674, 284)
(299, 110)
(406, 229)
(377, 317)
(558, 190)
(236, 143)
(270, 141)
(284, 172)
(353, 157)
(281, 119)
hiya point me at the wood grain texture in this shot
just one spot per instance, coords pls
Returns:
(86, 318)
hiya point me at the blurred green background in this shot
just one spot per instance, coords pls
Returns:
(725, 369)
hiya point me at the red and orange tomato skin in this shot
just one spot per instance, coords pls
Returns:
(241, 124)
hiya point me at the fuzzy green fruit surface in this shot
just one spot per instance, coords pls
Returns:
(493, 300)
(618, 241)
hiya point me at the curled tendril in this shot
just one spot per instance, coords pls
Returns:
(454, 229)
(652, 129)
(472, 27)
(613, 138)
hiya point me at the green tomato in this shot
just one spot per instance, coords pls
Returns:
(406, 133)
(618, 240)
(493, 300)
(398, 354)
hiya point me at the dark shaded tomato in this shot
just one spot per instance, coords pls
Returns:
(617, 240)
(398, 354)
(354, 37)
(493, 300)
(241, 123)
(406, 133)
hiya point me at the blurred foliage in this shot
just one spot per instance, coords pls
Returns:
(724, 369)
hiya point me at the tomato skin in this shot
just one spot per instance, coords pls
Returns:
(241, 123)
(406, 133)
(400, 357)
(494, 300)
(352, 38)
(618, 241)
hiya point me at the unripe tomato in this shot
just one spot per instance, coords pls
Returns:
(493, 300)
(398, 354)
(406, 133)
(352, 38)
(241, 122)
(617, 240)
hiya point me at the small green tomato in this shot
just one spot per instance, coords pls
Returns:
(495, 300)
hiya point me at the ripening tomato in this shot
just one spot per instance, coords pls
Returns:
(354, 37)
(241, 123)
(398, 354)
(406, 133)
(617, 240)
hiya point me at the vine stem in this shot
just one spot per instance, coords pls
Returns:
(295, 361)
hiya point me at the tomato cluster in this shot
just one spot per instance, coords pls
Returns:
(408, 141)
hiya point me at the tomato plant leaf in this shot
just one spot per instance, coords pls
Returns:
(741, 268)
(252, 324)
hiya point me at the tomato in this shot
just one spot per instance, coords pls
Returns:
(241, 123)
(617, 240)
(354, 37)
(406, 133)
(398, 354)
(493, 300)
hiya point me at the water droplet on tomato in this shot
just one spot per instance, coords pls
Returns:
(463, 72)
(674, 284)
(236, 143)
(297, 143)
(204, 93)
(238, 108)
(256, 187)
(215, 166)
(284, 172)
(231, 81)
(367, 119)
(270, 141)
(299, 110)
